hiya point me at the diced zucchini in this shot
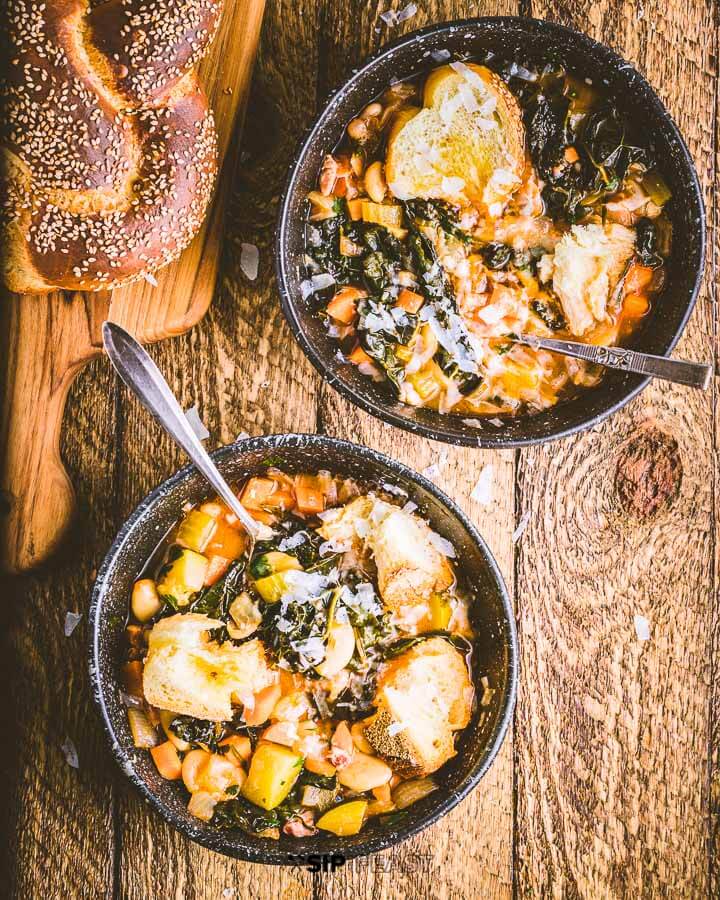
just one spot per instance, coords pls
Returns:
(183, 577)
(440, 612)
(345, 819)
(273, 587)
(195, 530)
(389, 215)
(272, 562)
(274, 769)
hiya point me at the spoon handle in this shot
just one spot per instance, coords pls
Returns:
(145, 380)
(680, 371)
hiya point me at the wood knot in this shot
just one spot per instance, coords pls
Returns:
(649, 472)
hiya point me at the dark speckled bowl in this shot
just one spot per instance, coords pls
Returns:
(525, 39)
(495, 656)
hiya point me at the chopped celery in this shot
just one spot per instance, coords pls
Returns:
(184, 577)
(195, 530)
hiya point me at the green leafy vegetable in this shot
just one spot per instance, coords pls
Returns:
(646, 243)
(198, 732)
(215, 601)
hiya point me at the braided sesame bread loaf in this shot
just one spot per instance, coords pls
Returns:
(109, 149)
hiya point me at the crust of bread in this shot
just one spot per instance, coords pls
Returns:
(188, 675)
(422, 698)
(448, 151)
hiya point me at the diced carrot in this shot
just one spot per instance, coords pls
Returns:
(310, 498)
(257, 492)
(409, 300)
(319, 766)
(343, 307)
(216, 569)
(226, 541)
(635, 306)
(571, 155)
(359, 356)
(638, 279)
(340, 188)
(132, 673)
(167, 760)
(355, 209)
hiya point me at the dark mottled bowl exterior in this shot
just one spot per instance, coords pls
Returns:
(496, 654)
(525, 39)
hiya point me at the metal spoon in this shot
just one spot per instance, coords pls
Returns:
(680, 371)
(145, 380)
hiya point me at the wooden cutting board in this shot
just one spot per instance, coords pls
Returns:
(45, 341)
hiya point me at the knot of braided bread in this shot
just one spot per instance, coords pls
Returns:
(109, 152)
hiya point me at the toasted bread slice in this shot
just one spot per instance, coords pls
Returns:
(587, 265)
(423, 697)
(186, 674)
(410, 568)
(465, 146)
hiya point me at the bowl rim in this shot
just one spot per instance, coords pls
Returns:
(284, 225)
(272, 855)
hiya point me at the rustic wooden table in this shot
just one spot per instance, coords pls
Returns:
(609, 784)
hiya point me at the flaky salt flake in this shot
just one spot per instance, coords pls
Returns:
(642, 628)
(196, 423)
(71, 622)
(70, 753)
(150, 278)
(483, 491)
(433, 470)
(391, 18)
(249, 260)
(522, 525)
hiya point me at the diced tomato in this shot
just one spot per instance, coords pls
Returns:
(409, 300)
(167, 760)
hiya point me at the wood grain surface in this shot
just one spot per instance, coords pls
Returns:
(610, 784)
